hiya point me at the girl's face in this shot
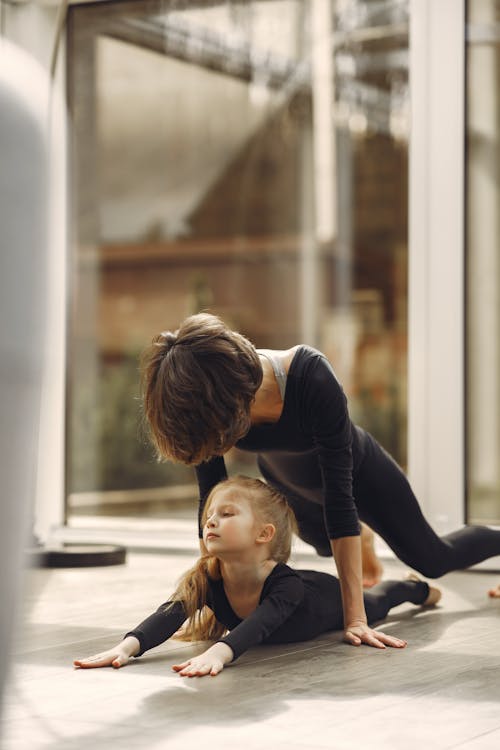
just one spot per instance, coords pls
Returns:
(230, 524)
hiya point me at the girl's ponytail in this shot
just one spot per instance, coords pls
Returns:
(201, 624)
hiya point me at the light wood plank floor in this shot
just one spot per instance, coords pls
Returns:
(443, 691)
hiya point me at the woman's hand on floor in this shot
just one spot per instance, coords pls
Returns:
(115, 657)
(210, 662)
(359, 632)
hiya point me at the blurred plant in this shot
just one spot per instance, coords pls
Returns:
(108, 445)
(378, 410)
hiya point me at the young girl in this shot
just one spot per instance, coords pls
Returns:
(207, 389)
(243, 585)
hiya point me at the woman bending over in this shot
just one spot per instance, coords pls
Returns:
(206, 388)
(243, 585)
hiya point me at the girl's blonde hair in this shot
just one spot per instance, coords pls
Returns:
(269, 506)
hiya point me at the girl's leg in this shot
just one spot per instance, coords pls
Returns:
(387, 504)
(388, 594)
(378, 602)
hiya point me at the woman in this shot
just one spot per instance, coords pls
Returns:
(242, 584)
(206, 389)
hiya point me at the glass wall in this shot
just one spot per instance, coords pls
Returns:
(244, 158)
(483, 261)
(364, 330)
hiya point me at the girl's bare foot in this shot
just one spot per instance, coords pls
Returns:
(434, 594)
(494, 593)
(372, 567)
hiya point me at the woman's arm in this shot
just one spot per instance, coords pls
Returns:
(208, 474)
(327, 417)
(347, 554)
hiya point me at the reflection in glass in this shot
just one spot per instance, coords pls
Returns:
(250, 159)
(483, 261)
(365, 330)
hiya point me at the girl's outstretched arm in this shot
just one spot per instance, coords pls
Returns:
(212, 661)
(115, 657)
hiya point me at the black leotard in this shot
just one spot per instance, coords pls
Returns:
(295, 605)
(314, 422)
(331, 471)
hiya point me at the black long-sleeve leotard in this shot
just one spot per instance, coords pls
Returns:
(295, 605)
(314, 421)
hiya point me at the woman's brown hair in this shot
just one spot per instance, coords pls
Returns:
(198, 385)
(268, 506)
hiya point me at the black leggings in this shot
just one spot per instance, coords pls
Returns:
(385, 501)
(388, 594)
(378, 601)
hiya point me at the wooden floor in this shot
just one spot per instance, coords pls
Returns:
(443, 691)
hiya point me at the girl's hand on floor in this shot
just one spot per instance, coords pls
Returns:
(210, 662)
(359, 633)
(115, 657)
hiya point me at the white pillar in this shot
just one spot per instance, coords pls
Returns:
(24, 222)
(484, 259)
(436, 242)
(32, 28)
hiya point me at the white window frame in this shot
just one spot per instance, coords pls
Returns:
(436, 405)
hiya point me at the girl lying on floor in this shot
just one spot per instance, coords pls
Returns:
(243, 585)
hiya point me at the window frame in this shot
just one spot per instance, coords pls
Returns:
(436, 403)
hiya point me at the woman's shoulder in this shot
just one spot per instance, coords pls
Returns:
(307, 360)
(305, 352)
(320, 390)
(294, 358)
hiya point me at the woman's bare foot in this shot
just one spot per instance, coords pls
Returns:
(494, 593)
(434, 594)
(372, 567)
